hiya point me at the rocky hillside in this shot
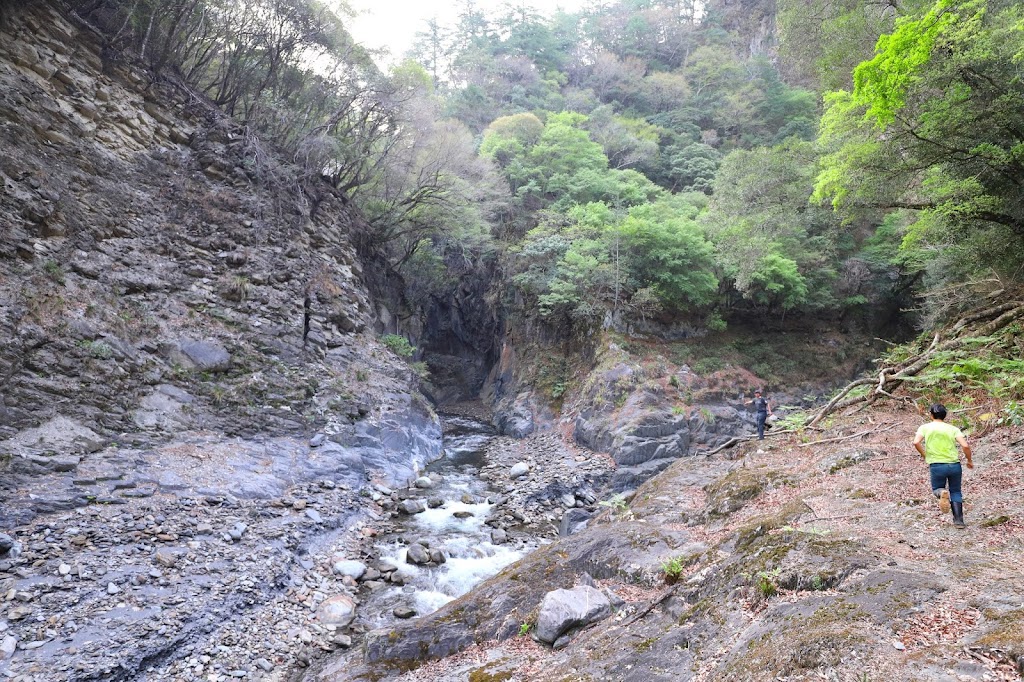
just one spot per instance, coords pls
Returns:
(817, 555)
(194, 396)
(160, 273)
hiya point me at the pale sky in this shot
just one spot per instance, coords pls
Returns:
(393, 24)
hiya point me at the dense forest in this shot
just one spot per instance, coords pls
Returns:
(641, 159)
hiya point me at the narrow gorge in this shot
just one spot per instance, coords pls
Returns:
(255, 425)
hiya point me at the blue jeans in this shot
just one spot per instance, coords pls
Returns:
(953, 474)
(761, 416)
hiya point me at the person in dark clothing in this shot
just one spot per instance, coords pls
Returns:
(763, 410)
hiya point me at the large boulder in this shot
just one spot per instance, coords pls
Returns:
(350, 567)
(6, 544)
(411, 507)
(337, 611)
(564, 610)
(206, 356)
(417, 554)
(518, 419)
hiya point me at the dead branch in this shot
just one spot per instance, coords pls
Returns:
(854, 515)
(984, 314)
(834, 403)
(842, 438)
(891, 378)
(739, 439)
(649, 607)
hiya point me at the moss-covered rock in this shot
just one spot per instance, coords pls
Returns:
(731, 493)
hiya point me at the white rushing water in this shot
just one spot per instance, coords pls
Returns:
(465, 539)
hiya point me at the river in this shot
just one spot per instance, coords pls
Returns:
(458, 527)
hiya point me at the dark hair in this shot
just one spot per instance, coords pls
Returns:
(938, 410)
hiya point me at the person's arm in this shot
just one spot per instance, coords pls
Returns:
(769, 406)
(918, 444)
(967, 450)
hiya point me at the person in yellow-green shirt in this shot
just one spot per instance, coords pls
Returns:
(937, 441)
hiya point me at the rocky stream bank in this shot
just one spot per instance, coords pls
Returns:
(250, 574)
(815, 556)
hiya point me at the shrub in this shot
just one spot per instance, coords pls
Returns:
(420, 369)
(99, 349)
(765, 583)
(399, 345)
(54, 271)
(672, 569)
(1012, 414)
(620, 508)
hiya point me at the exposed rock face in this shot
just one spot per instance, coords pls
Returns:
(516, 419)
(206, 356)
(459, 336)
(635, 421)
(518, 410)
(160, 275)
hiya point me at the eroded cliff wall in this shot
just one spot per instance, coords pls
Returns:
(160, 273)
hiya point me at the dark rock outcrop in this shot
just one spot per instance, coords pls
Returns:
(637, 424)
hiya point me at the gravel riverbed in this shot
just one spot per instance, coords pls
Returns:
(186, 586)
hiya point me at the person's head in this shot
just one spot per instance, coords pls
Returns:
(757, 393)
(937, 411)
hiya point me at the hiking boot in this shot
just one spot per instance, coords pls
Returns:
(958, 514)
(943, 496)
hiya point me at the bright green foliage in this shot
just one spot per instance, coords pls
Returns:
(776, 282)
(398, 345)
(559, 165)
(565, 150)
(881, 84)
(509, 137)
(673, 568)
(936, 125)
(825, 39)
(780, 251)
(668, 253)
(982, 369)
(654, 258)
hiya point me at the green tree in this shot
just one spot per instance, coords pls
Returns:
(667, 253)
(761, 207)
(775, 281)
(935, 125)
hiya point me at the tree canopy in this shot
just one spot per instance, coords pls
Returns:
(640, 159)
